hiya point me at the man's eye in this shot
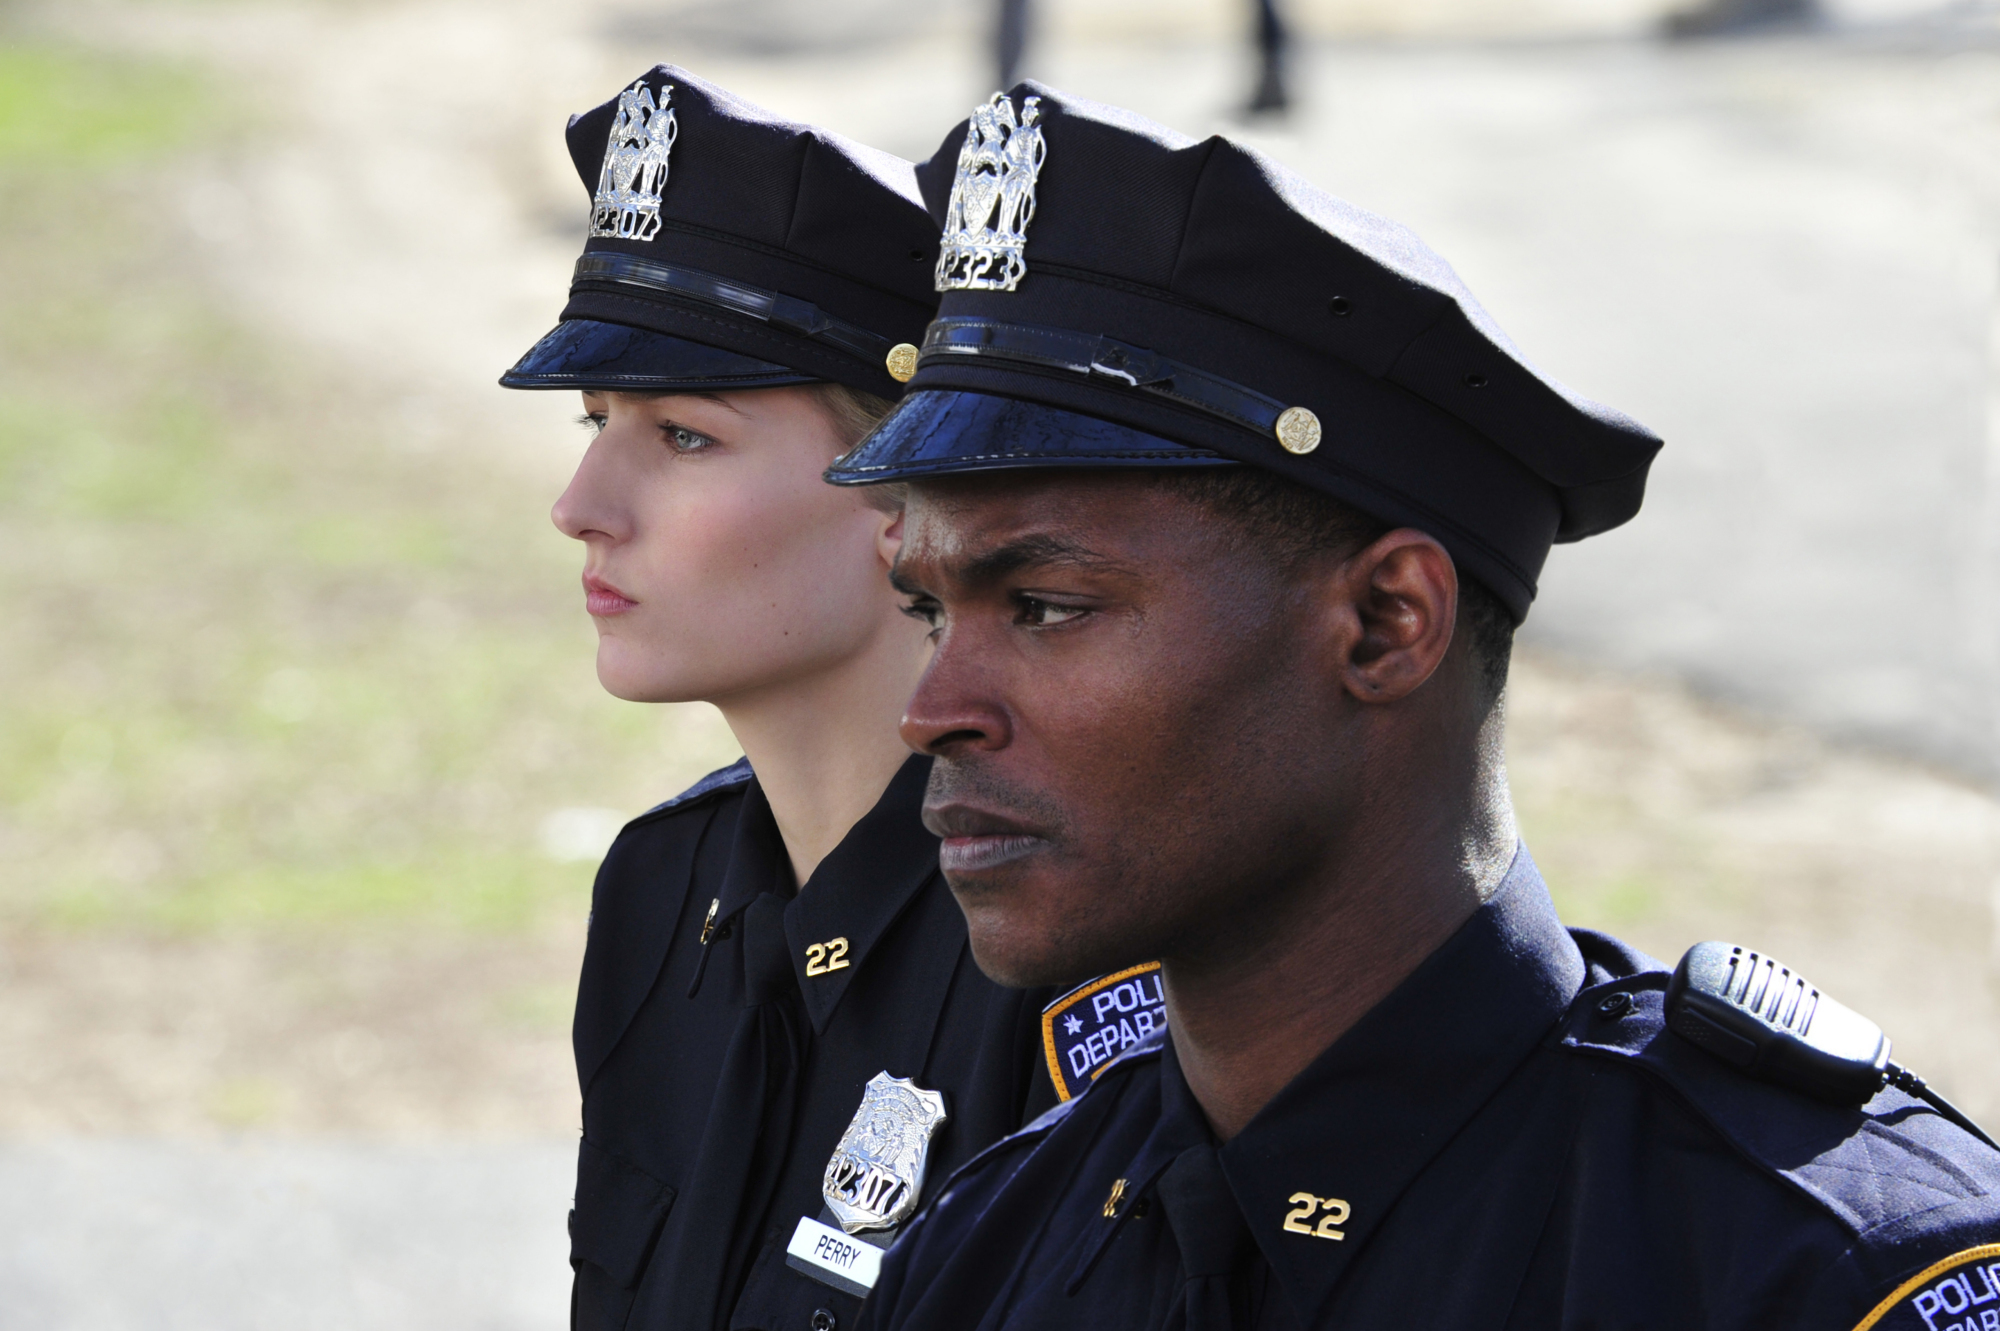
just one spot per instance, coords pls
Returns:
(927, 611)
(1044, 615)
(685, 440)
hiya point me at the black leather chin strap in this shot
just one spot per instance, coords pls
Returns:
(603, 269)
(1102, 358)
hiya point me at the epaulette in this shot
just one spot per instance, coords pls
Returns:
(1869, 1166)
(722, 778)
(1047, 1121)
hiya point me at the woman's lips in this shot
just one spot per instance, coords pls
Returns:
(600, 598)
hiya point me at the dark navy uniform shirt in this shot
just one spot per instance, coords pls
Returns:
(718, 1077)
(1510, 1140)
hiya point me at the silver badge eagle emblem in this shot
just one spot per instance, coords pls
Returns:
(992, 198)
(627, 204)
(875, 1174)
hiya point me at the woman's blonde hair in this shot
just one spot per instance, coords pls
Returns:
(854, 413)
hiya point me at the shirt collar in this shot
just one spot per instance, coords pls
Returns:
(1365, 1117)
(757, 859)
(833, 924)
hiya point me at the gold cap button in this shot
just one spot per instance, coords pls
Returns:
(1297, 429)
(902, 362)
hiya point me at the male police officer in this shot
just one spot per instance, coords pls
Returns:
(1225, 499)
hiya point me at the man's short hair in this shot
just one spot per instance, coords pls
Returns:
(1295, 524)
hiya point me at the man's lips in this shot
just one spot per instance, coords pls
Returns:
(602, 599)
(975, 839)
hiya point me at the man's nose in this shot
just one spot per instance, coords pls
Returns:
(958, 704)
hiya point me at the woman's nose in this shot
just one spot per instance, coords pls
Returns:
(589, 504)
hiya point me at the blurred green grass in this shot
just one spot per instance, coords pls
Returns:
(267, 662)
(83, 109)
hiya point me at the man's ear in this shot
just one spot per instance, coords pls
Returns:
(1399, 597)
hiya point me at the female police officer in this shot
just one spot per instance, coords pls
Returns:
(779, 1031)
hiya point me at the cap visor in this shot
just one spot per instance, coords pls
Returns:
(937, 433)
(589, 353)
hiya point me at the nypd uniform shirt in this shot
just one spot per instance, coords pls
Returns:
(1510, 1140)
(718, 1077)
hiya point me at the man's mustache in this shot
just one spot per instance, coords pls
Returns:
(975, 785)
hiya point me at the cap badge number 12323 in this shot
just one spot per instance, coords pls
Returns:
(992, 198)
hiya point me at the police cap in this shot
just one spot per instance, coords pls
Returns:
(729, 248)
(1116, 294)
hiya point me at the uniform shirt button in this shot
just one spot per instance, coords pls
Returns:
(824, 1320)
(1615, 1004)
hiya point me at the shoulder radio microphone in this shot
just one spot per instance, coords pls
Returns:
(1758, 1015)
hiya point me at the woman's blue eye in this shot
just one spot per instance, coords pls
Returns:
(593, 422)
(685, 440)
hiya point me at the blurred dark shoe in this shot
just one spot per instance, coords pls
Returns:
(1721, 17)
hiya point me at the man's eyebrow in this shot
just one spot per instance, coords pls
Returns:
(1037, 551)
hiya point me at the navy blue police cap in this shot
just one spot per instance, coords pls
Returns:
(1118, 295)
(730, 248)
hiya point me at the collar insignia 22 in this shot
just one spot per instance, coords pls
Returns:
(627, 204)
(992, 198)
(876, 1173)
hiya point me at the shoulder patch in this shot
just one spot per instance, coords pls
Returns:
(723, 778)
(1088, 1027)
(1960, 1293)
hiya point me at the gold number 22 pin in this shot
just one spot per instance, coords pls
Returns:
(1304, 1205)
(828, 956)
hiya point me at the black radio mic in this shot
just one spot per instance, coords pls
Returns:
(1758, 1015)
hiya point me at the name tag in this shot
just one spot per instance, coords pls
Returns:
(839, 1259)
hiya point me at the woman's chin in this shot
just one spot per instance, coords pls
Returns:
(643, 681)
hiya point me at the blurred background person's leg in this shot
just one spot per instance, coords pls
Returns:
(1010, 40)
(1271, 95)
(1716, 17)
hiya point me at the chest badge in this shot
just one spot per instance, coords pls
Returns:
(1094, 1023)
(992, 198)
(876, 1172)
(627, 204)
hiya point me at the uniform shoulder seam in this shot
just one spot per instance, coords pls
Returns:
(721, 781)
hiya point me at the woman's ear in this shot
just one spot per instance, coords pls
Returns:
(889, 536)
(1400, 595)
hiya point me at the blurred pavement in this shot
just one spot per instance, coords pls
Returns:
(110, 1235)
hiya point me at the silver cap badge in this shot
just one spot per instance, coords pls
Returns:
(877, 1171)
(992, 198)
(627, 205)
